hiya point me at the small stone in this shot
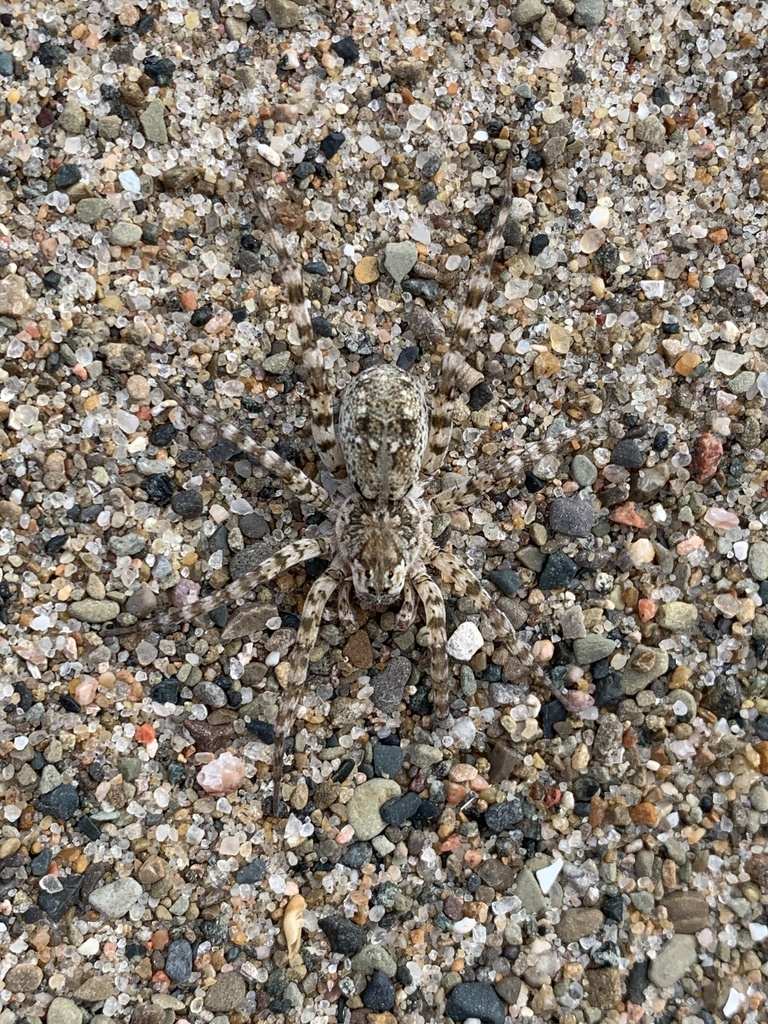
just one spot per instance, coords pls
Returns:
(421, 289)
(651, 131)
(476, 1000)
(677, 616)
(504, 816)
(348, 50)
(706, 458)
(687, 363)
(400, 259)
(578, 922)
(178, 961)
(528, 891)
(187, 504)
(387, 760)
(116, 899)
(345, 937)
(358, 650)
(363, 808)
(152, 120)
(125, 234)
(604, 987)
(62, 802)
(645, 813)
(14, 298)
(757, 560)
(465, 642)
(63, 1011)
(688, 911)
(583, 470)
(645, 665)
(226, 994)
(506, 580)
(589, 13)
(558, 572)
(673, 961)
(374, 958)
(72, 118)
(389, 684)
(23, 978)
(497, 874)
(251, 873)
(572, 517)
(379, 993)
(223, 775)
(90, 211)
(593, 647)
(626, 453)
(95, 989)
(367, 270)
(527, 12)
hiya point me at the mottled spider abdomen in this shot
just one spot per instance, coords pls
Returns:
(383, 428)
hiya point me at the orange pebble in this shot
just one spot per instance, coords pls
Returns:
(646, 609)
(145, 733)
(454, 792)
(188, 300)
(628, 516)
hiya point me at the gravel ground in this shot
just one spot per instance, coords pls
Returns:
(592, 851)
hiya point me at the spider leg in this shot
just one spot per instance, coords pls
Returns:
(407, 614)
(512, 466)
(453, 360)
(295, 684)
(434, 611)
(461, 576)
(291, 554)
(347, 616)
(320, 399)
(298, 482)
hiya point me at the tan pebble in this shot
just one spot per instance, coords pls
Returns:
(718, 236)
(455, 793)
(687, 363)
(560, 339)
(462, 773)
(546, 364)
(13, 96)
(9, 846)
(188, 300)
(367, 270)
(292, 923)
(580, 758)
(644, 813)
(642, 552)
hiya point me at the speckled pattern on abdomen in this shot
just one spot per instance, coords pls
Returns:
(383, 427)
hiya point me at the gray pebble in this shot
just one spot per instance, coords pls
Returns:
(527, 12)
(141, 602)
(64, 1011)
(427, 290)
(117, 898)
(187, 504)
(645, 665)
(757, 560)
(125, 234)
(677, 616)
(673, 961)
(583, 471)
(152, 120)
(651, 131)
(400, 259)
(94, 612)
(571, 516)
(589, 13)
(626, 453)
(374, 958)
(284, 13)
(277, 363)
(178, 961)
(649, 482)
(475, 1000)
(226, 993)
(127, 544)
(209, 694)
(592, 648)
(389, 684)
(89, 211)
(364, 805)
(72, 118)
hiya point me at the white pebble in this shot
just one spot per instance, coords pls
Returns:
(547, 876)
(653, 289)
(130, 181)
(600, 217)
(465, 642)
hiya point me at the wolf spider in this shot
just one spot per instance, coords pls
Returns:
(381, 545)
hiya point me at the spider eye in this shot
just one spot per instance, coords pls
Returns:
(390, 576)
(369, 575)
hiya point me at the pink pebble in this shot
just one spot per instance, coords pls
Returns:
(223, 775)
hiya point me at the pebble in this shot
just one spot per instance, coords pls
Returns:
(593, 647)
(400, 259)
(757, 560)
(506, 580)
(572, 517)
(387, 760)
(627, 453)
(95, 989)
(379, 993)
(62, 802)
(465, 642)
(673, 961)
(23, 977)
(63, 1011)
(15, 300)
(645, 665)
(152, 120)
(687, 911)
(117, 898)
(178, 961)
(604, 985)
(345, 937)
(475, 1000)
(187, 504)
(226, 994)
(559, 571)
(526, 12)
(583, 470)
(89, 211)
(367, 270)
(363, 808)
(677, 616)
(578, 922)
(72, 118)
(126, 234)
(504, 816)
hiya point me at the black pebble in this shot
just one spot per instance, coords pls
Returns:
(506, 580)
(254, 871)
(409, 357)
(162, 434)
(62, 802)
(67, 175)
(387, 760)
(316, 267)
(303, 170)
(584, 788)
(39, 865)
(56, 544)
(427, 193)
(660, 441)
(331, 144)
(239, 315)
(608, 256)
(159, 489)
(538, 244)
(609, 690)
(670, 327)
(480, 395)
(201, 316)
(613, 908)
(347, 49)
(187, 504)
(761, 727)
(89, 828)
(420, 289)
(399, 810)
(626, 453)
(660, 96)
(159, 69)
(357, 855)
(321, 327)
(379, 994)
(551, 713)
(166, 692)
(51, 279)
(533, 161)
(532, 483)
(344, 935)
(559, 570)
(145, 24)
(637, 982)
(56, 904)
(51, 55)
(261, 730)
(500, 817)
(70, 704)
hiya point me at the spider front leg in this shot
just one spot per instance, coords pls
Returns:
(407, 614)
(298, 482)
(464, 580)
(320, 399)
(291, 554)
(295, 684)
(434, 612)
(347, 616)
(453, 361)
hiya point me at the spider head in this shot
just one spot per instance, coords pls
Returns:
(379, 569)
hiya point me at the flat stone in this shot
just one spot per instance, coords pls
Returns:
(72, 118)
(284, 13)
(688, 911)
(23, 978)
(577, 922)
(364, 806)
(178, 961)
(497, 874)
(344, 935)
(64, 1011)
(652, 132)
(592, 647)
(226, 994)
(604, 987)
(527, 12)
(95, 989)
(14, 298)
(572, 517)
(125, 234)
(757, 560)
(117, 898)
(152, 120)
(374, 958)
(645, 665)
(673, 961)
(677, 616)
(89, 211)
(93, 611)
(583, 470)
(400, 259)
(389, 684)
(529, 892)
(475, 1000)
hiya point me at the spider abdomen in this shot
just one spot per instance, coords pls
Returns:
(382, 430)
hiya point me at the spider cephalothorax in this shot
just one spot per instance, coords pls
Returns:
(380, 545)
